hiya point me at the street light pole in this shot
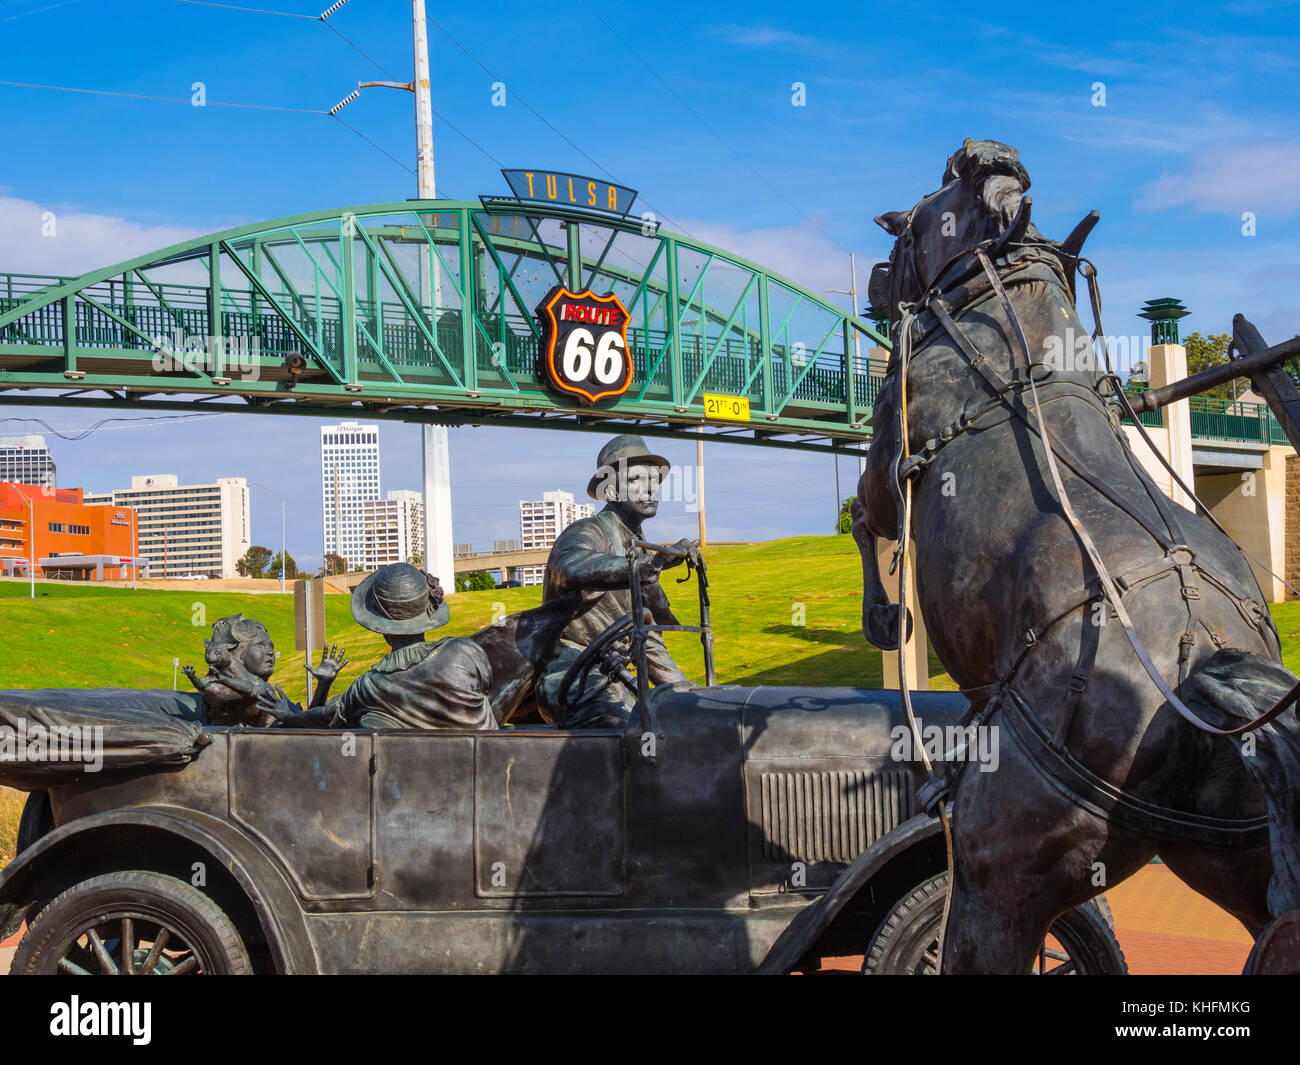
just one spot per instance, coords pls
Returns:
(31, 546)
(852, 293)
(31, 541)
(435, 448)
(423, 103)
(284, 557)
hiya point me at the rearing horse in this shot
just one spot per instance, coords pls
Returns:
(1042, 565)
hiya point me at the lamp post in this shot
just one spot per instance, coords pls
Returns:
(284, 557)
(435, 449)
(31, 541)
(852, 293)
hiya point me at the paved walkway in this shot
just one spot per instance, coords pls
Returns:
(1163, 926)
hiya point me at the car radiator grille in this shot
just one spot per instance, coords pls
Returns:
(831, 816)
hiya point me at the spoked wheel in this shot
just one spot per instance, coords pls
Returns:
(1080, 943)
(133, 923)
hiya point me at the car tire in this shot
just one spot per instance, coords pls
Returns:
(82, 930)
(37, 819)
(906, 941)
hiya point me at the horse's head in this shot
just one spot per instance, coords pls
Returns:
(981, 199)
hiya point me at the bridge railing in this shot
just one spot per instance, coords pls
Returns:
(727, 364)
(1235, 420)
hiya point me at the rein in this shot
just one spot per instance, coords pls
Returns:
(900, 561)
(1001, 386)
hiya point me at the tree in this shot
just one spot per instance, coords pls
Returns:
(254, 562)
(479, 580)
(333, 565)
(290, 567)
(845, 523)
(1205, 352)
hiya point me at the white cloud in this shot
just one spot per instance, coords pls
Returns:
(1258, 177)
(81, 240)
(801, 253)
(767, 37)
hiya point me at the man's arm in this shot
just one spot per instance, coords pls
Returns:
(581, 558)
(660, 667)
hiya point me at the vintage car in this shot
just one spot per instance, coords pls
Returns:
(726, 829)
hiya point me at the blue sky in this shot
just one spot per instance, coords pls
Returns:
(1199, 125)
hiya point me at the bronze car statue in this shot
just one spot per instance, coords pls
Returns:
(725, 829)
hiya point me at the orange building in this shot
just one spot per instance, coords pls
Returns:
(74, 541)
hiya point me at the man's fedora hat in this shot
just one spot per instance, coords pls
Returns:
(619, 453)
(400, 600)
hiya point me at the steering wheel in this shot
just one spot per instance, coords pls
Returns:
(605, 653)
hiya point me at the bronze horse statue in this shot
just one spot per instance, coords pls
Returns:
(1066, 594)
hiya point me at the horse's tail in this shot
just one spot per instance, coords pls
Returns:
(1231, 688)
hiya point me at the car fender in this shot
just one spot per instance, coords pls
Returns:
(801, 933)
(276, 906)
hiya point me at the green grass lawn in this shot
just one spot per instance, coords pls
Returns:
(784, 612)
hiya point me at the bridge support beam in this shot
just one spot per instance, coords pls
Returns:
(1168, 363)
(437, 506)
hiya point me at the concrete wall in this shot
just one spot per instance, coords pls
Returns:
(1253, 507)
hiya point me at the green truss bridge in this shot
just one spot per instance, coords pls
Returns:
(424, 311)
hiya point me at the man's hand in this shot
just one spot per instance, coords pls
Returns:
(332, 661)
(655, 562)
(277, 704)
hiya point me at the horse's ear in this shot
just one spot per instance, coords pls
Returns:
(878, 286)
(892, 222)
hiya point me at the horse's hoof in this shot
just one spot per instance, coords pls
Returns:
(1277, 950)
(880, 626)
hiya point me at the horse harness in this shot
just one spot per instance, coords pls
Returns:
(936, 315)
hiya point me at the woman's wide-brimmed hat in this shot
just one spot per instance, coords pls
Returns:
(400, 600)
(618, 454)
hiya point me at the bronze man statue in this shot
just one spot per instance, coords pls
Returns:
(418, 684)
(591, 556)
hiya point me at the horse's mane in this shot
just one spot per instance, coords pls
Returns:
(997, 181)
(993, 172)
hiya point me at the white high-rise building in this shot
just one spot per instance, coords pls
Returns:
(394, 528)
(187, 530)
(26, 460)
(541, 521)
(349, 461)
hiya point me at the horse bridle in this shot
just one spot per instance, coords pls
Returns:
(1110, 590)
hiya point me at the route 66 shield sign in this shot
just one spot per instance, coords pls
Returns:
(584, 344)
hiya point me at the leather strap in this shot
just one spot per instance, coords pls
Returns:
(1079, 784)
(1094, 555)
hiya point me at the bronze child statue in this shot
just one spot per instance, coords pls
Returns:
(241, 658)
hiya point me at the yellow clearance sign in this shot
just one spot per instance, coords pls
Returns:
(729, 408)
